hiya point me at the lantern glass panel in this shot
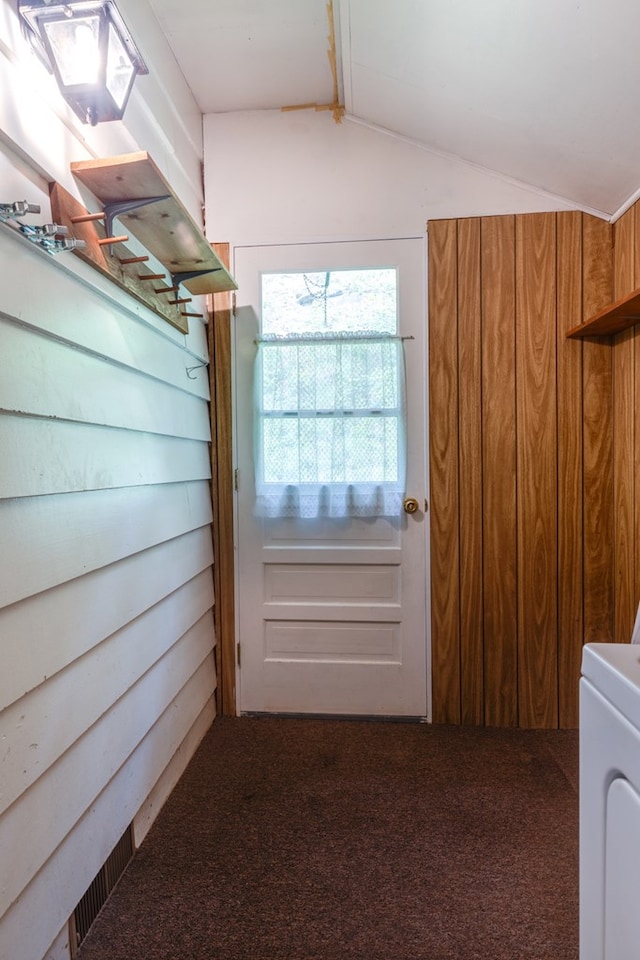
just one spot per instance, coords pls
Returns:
(75, 44)
(120, 70)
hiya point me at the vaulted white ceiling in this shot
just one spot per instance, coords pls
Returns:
(542, 91)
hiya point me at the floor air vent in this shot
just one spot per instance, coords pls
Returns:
(101, 886)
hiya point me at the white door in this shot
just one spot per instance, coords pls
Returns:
(332, 613)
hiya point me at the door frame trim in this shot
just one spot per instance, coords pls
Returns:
(220, 386)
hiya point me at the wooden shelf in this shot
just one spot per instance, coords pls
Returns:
(131, 190)
(164, 228)
(614, 318)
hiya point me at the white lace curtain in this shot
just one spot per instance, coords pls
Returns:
(330, 426)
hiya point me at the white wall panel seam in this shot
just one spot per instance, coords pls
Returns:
(38, 353)
(187, 387)
(118, 430)
(44, 456)
(86, 531)
(57, 628)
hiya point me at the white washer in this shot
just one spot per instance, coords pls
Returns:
(610, 802)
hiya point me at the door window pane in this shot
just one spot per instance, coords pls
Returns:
(335, 301)
(330, 418)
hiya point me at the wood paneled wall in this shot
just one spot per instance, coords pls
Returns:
(524, 558)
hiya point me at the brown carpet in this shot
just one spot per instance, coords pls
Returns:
(293, 839)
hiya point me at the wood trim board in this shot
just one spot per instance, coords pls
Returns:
(498, 404)
(470, 472)
(570, 466)
(219, 331)
(536, 470)
(129, 277)
(444, 478)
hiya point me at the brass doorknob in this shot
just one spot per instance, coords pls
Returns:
(410, 505)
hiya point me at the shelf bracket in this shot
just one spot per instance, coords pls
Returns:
(114, 209)
(119, 207)
(178, 278)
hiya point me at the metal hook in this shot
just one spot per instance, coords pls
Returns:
(197, 367)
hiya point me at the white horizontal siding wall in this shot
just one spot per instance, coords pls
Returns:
(106, 596)
(106, 588)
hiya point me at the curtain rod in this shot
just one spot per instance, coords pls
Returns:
(330, 339)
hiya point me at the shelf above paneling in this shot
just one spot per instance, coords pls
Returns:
(111, 261)
(617, 316)
(164, 228)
